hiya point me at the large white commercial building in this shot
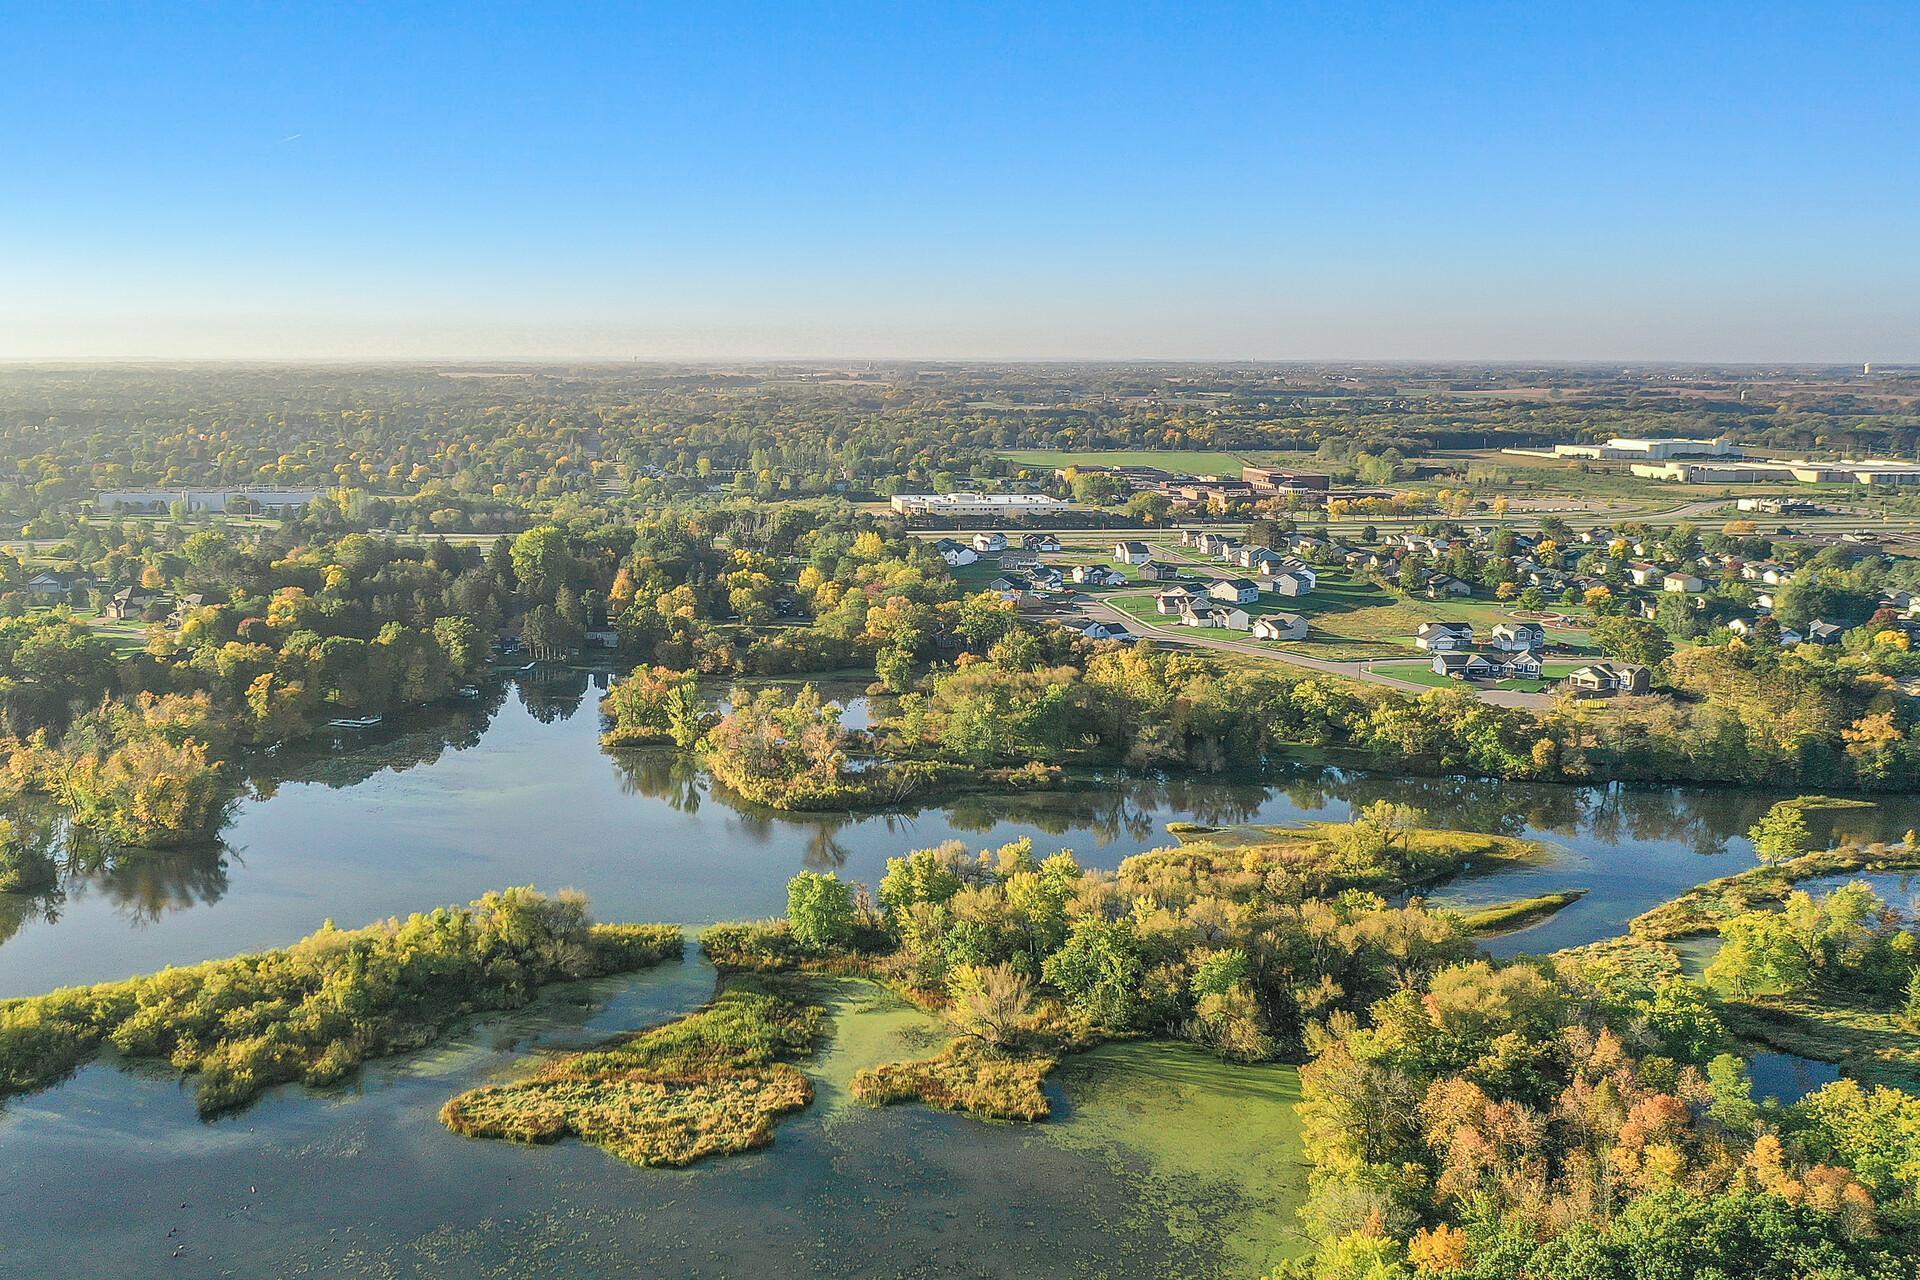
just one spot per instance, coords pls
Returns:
(1631, 447)
(998, 505)
(1869, 471)
(262, 497)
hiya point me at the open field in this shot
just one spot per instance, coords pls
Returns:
(1193, 462)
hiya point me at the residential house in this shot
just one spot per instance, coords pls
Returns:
(1097, 575)
(133, 604)
(1235, 591)
(988, 543)
(1262, 558)
(1280, 626)
(1132, 552)
(1290, 582)
(1643, 574)
(185, 605)
(1105, 631)
(1016, 583)
(1173, 600)
(1040, 542)
(1516, 666)
(1444, 637)
(51, 585)
(1205, 614)
(1682, 583)
(1047, 577)
(955, 553)
(1608, 677)
(1441, 585)
(1156, 571)
(1822, 632)
(1019, 561)
(1462, 666)
(1517, 637)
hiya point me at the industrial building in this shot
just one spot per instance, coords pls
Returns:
(998, 505)
(1870, 471)
(256, 498)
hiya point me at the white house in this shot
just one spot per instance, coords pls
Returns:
(1260, 558)
(1444, 637)
(1682, 583)
(1290, 582)
(1131, 552)
(1173, 600)
(1517, 637)
(1097, 575)
(1280, 626)
(1235, 591)
(986, 543)
(1216, 615)
(955, 553)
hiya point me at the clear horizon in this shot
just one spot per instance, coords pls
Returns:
(1377, 184)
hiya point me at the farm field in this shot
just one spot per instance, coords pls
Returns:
(1190, 461)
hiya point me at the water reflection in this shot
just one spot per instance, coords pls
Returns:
(511, 787)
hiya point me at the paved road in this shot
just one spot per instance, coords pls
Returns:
(1206, 638)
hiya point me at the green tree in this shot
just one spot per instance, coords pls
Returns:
(1782, 835)
(1631, 639)
(820, 910)
(540, 560)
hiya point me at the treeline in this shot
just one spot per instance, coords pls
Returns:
(425, 450)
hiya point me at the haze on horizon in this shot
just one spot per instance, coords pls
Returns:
(1626, 182)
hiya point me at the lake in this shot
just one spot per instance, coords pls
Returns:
(512, 788)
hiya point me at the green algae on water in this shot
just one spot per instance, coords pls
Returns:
(1213, 1147)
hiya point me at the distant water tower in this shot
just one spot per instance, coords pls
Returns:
(1867, 367)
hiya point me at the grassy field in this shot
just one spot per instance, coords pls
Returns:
(1192, 462)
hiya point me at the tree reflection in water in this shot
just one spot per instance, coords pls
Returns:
(1106, 806)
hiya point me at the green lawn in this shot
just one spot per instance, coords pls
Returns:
(1420, 672)
(1192, 462)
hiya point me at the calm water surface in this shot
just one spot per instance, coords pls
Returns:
(514, 789)
(112, 1171)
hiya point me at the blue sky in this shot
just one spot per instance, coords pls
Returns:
(1595, 181)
